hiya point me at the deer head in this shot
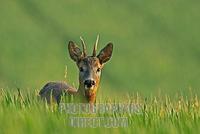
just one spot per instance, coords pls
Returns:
(89, 67)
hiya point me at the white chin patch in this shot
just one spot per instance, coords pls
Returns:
(87, 88)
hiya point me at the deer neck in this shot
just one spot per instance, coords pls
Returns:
(83, 97)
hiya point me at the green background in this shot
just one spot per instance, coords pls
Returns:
(156, 43)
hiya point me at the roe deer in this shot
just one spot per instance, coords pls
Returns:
(89, 74)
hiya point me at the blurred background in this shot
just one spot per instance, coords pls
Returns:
(156, 43)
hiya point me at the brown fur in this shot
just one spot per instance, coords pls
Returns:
(90, 68)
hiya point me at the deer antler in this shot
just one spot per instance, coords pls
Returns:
(84, 46)
(95, 46)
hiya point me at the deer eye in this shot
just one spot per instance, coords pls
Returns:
(98, 69)
(81, 69)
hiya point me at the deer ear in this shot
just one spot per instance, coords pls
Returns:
(106, 53)
(74, 51)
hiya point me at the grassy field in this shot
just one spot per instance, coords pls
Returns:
(25, 113)
(156, 55)
(156, 44)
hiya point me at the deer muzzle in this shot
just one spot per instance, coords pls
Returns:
(89, 84)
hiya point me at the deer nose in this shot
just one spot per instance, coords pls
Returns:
(89, 83)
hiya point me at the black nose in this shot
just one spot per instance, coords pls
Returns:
(89, 83)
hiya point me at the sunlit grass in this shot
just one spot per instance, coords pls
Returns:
(26, 113)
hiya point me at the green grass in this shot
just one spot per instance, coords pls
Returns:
(156, 43)
(156, 54)
(26, 113)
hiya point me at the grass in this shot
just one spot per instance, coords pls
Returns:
(26, 113)
(155, 43)
(156, 53)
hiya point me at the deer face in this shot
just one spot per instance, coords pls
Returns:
(89, 66)
(89, 72)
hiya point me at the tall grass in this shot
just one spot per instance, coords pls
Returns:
(26, 113)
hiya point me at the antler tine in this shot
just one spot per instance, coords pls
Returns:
(95, 46)
(84, 46)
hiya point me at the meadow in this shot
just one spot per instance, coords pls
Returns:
(155, 61)
(26, 113)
